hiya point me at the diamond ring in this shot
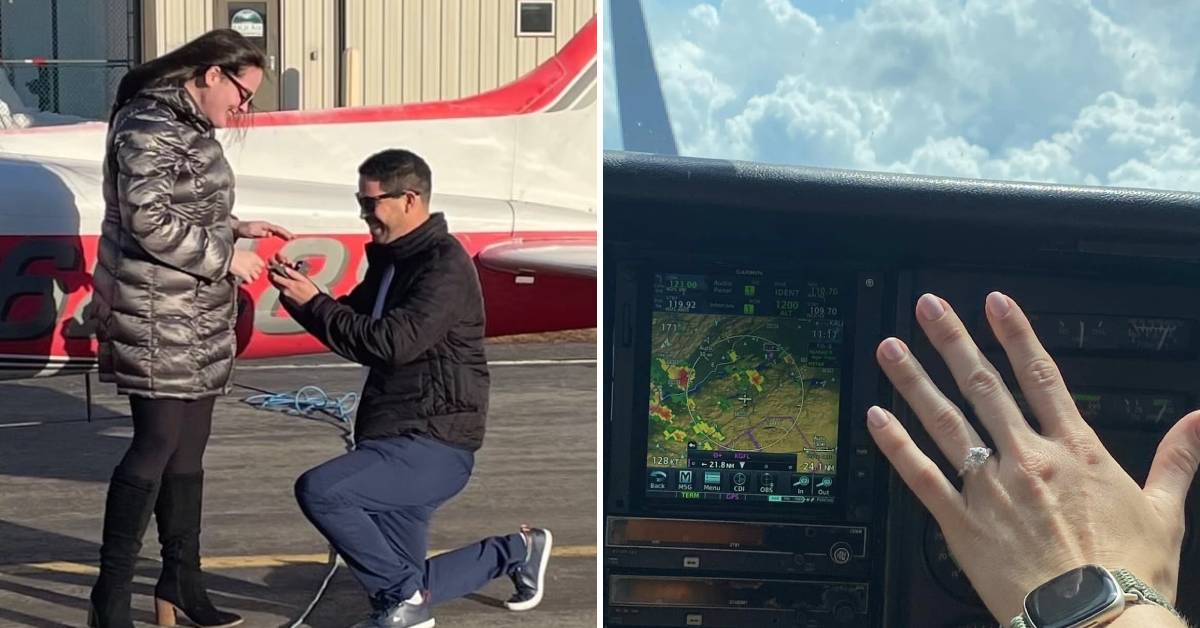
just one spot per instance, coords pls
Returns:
(976, 457)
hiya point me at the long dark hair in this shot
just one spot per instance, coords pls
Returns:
(224, 48)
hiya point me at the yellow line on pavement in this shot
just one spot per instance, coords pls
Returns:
(251, 562)
(56, 565)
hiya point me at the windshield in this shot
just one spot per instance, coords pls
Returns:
(1095, 92)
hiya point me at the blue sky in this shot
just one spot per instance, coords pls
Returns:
(1100, 92)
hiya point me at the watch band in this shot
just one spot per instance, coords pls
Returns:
(1130, 584)
(1144, 592)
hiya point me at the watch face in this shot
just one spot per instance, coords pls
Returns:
(1074, 597)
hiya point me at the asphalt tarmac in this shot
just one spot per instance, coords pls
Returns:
(263, 560)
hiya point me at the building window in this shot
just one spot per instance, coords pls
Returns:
(67, 57)
(535, 18)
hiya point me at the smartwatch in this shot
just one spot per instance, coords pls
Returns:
(1087, 596)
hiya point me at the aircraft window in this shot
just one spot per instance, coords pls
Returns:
(1099, 92)
(535, 19)
(745, 303)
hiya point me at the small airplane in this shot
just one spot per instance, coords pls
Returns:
(514, 169)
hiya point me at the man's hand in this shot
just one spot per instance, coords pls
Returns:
(262, 229)
(1046, 501)
(293, 285)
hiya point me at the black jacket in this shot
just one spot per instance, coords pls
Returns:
(429, 374)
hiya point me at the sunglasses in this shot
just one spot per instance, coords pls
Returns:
(245, 94)
(367, 204)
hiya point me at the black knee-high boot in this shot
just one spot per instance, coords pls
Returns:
(126, 515)
(181, 585)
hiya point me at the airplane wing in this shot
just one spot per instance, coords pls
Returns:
(572, 257)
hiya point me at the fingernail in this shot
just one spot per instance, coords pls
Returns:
(893, 350)
(998, 304)
(876, 417)
(930, 307)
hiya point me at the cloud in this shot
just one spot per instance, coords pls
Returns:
(1069, 91)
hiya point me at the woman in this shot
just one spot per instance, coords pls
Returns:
(165, 295)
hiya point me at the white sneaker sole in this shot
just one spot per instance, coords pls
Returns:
(541, 580)
(428, 623)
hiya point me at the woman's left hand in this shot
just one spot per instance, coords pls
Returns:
(1049, 500)
(262, 229)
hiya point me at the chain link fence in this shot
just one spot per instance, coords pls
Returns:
(66, 56)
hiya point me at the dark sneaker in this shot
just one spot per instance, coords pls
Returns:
(530, 576)
(402, 615)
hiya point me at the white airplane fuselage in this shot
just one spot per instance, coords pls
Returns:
(518, 190)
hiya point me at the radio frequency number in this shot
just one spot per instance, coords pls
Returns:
(682, 284)
(822, 311)
(680, 305)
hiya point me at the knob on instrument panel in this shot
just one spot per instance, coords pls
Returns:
(840, 553)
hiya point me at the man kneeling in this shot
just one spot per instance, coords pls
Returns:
(417, 321)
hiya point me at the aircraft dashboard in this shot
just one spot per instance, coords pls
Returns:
(743, 306)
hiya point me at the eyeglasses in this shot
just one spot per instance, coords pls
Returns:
(366, 204)
(244, 93)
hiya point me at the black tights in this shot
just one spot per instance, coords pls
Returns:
(169, 436)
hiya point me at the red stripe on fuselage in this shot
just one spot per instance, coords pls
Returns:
(46, 280)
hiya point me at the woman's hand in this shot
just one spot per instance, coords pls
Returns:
(246, 266)
(1043, 503)
(261, 229)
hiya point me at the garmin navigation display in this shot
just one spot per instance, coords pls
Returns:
(745, 387)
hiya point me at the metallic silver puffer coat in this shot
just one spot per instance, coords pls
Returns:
(164, 300)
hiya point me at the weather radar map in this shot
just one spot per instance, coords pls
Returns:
(745, 386)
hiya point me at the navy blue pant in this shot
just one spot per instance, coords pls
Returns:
(374, 504)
